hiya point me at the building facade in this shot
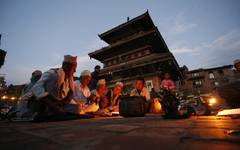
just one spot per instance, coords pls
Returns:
(203, 81)
(136, 49)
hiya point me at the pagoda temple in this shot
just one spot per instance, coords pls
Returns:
(136, 49)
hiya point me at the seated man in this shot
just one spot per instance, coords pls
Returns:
(98, 95)
(82, 91)
(114, 96)
(55, 88)
(36, 75)
(88, 102)
(140, 90)
(167, 83)
(79, 104)
(22, 110)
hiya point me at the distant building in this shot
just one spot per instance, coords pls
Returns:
(230, 92)
(2, 57)
(203, 81)
(3, 86)
(136, 49)
(15, 90)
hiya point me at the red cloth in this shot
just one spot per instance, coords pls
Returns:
(168, 84)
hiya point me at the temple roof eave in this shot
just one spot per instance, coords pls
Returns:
(145, 15)
(152, 58)
(99, 51)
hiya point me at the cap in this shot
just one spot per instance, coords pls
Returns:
(85, 73)
(119, 84)
(70, 59)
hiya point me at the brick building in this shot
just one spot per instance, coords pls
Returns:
(203, 81)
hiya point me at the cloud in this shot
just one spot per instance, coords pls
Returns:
(95, 44)
(85, 63)
(226, 42)
(181, 47)
(223, 50)
(181, 24)
(182, 50)
(21, 72)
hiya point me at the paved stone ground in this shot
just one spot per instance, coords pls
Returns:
(150, 132)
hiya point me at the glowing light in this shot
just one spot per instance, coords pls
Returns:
(13, 98)
(229, 112)
(156, 106)
(212, 101)
(4, 97)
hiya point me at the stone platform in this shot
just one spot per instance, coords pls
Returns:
(150, 132)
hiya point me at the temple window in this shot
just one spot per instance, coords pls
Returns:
(149, 85)
(197, 83)
(147, 52)
(139, 54)
(211, 75)
(196, 74)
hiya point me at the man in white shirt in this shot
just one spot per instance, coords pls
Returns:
(79, 104)
(140, 90)
(82, 91)
(55, 88)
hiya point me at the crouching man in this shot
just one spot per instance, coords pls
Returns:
(114, 96)
(98, 95)
(79, 104)
(98, 100)
(22, 111)
(82, 91)
(55, 88)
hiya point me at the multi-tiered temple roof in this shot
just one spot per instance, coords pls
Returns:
(136, 48)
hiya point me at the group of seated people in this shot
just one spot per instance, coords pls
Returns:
(56, 92)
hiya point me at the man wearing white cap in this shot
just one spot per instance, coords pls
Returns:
(95, 99)
(98, 95)
(56, 86)
(80, 103)
(82, 91)
(114, 96)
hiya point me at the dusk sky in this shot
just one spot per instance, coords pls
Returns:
(37, 33)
